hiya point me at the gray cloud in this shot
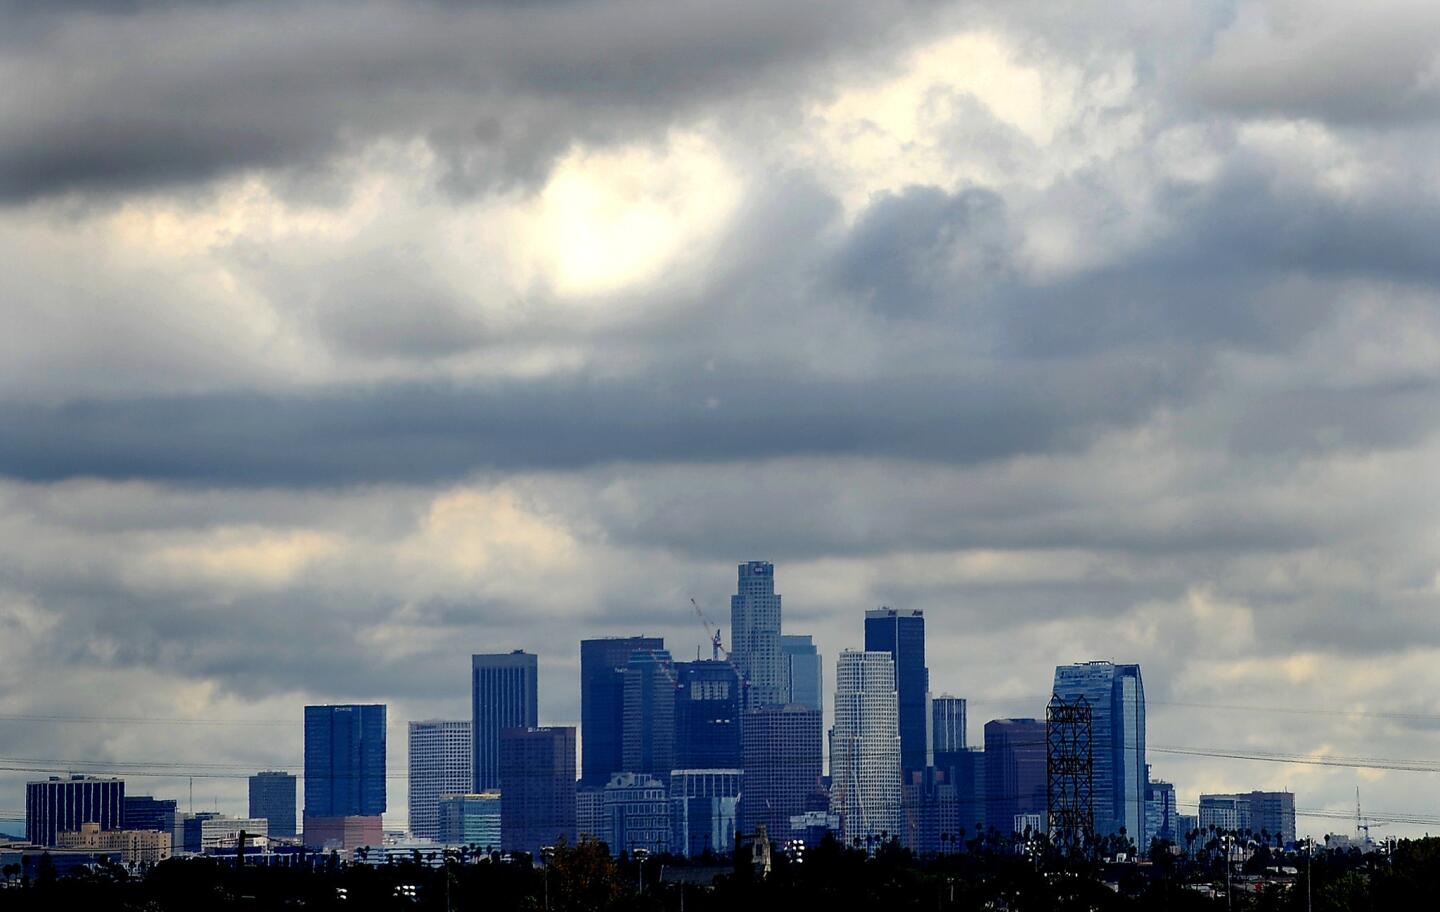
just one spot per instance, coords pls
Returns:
(497, 89)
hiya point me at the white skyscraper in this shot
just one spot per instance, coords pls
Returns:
(755, 636)
(440, 764)
(865, 749)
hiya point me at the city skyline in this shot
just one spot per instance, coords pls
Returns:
(863, 618)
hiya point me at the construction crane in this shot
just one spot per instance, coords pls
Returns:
(719, 653)
(714, 632)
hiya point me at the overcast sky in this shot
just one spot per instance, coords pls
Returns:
(339, 341)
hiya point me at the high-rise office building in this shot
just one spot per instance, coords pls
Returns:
(804, 671)
(145, 812)
(469, 820)
(1160, 814)
(781, 750)
(965, 770)
(58, 805)
(272, 797)
(504, 694)
(947, 725)
(755, 635)
(865, 771)
(902, 635)
(1015, 773)
(707, 716)
(1116, 698)
(1268, 815)
(637, 813)
(441, 763)
(602, 704)
(537, 787)
(344, 774)
(648, 733)
(704, 809)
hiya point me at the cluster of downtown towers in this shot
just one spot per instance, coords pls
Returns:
(682, 757)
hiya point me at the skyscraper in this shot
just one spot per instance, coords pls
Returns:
(1015, 785)
(649, 727)
(1160, 814)
(57, 805)
(503, 693)
(781, 748)
(345, 760)
(602, 704)
(469, 820)
(805, 674)
(865, 776)
(902, 635)
(272, 796)
(1116, 698)
(637, 813)
(947, 725)
(755, 635)
(707, 716)
(537, 787)
(441, 763)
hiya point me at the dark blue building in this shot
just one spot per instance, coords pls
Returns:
(602, 704)
(1015, 771)
(902, 634)
(345, 760)
(504, 694)
(272, 796)
(649, 727)
(707, 716)
(144, 812)
(60, 805)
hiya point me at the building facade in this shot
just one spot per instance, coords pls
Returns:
(602, 704)
(504, 694)
(704, 811)
(1161, 812)
(272, 796)
(1269, 816)
(637, 814)
(344, 769)
(782, 751)
(146, 812)
(441, 763)
(947, 725)
(648, 733)
(136, 847)
(755, 635)
(589, 812)
(707, 716)
(1116, 696)
(902, 635)
(537, 787)
(57, 805)
(207, 831)
(865, 765)
(470, 820)
(1015, 771)
(804, 670)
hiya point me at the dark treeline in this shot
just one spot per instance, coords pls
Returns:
(584, 878)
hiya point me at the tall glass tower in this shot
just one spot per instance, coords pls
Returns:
(1117, 705)
(648, 731)
(345, 760)
(755, 635)
(503, 695)
(602, 704)
(804, 672)
(865, 747)
(902, 634)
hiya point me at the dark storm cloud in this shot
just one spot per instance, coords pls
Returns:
(417, 434)
(156, 94)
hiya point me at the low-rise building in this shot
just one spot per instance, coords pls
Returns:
(136, 847)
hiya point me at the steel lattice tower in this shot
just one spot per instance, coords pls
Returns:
(1070, 768)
